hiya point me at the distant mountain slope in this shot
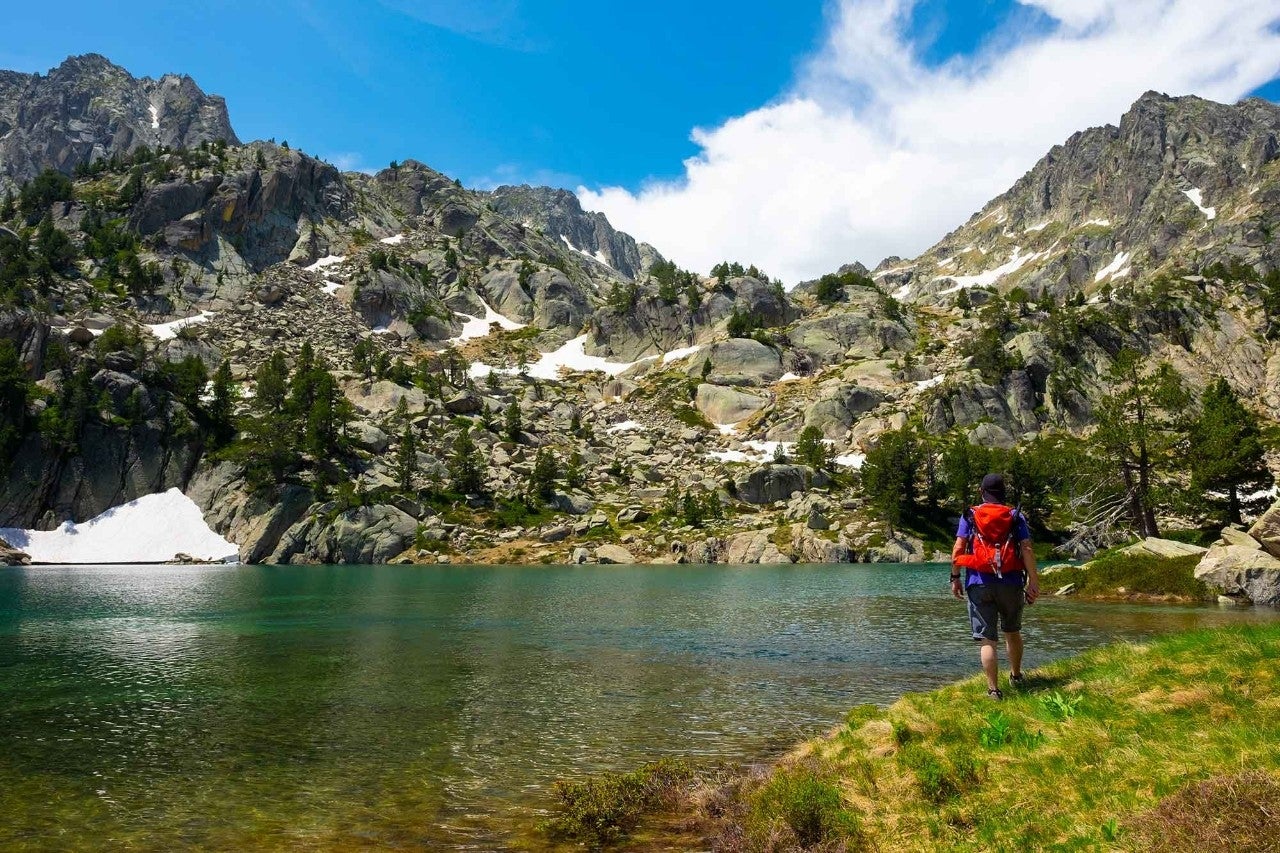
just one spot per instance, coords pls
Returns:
(1179, 178)
(88, 108)
(559, 214)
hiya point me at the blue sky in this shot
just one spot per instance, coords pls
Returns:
(797, 135)
(568, 92)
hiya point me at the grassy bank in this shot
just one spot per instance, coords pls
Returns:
(1113, 575)
(1170, 746)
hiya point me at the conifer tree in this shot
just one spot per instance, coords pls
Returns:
(1225, 451)
(407, 458)
(464, 465)
(512, 425)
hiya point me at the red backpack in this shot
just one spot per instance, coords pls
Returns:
(992, 549)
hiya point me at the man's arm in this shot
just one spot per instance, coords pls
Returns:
(1033, 576)
(957, 549)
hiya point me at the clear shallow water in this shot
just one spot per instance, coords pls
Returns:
(407, 707)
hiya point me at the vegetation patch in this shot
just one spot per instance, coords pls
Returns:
(1239, 811)
(607, 808)
(1141, 574)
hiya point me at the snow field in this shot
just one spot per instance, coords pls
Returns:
(151, 529)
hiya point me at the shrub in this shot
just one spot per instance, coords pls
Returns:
(1236, 812)
(607, 808)
(807, 805)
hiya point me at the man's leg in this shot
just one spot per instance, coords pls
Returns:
(1013, 644)
(990, 664)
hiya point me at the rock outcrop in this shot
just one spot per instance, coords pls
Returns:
(1242, 566)
(88, 109)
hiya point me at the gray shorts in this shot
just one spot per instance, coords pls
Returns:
(991, 601)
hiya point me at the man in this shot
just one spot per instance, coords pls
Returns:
(993, 545)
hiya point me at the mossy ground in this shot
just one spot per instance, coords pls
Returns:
(1140, 575)
(1076, 760)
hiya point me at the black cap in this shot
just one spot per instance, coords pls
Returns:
(993, 488)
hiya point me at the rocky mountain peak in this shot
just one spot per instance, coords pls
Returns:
(89, 108)
(559, 213)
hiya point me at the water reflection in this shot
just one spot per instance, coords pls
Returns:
(321, 707)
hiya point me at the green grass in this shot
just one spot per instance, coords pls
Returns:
(1094, 753)
(1146, 575)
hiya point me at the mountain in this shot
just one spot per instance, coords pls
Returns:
(1178, 178)
(88, 108)
(409, 369)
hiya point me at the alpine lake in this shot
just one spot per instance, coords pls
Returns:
(405, 707)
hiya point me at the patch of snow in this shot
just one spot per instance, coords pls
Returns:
(1197, 198)
(151, 529)
(883, 273)
(729, 456)
(169, 331)
(946, 261)
(1040, 226)
(597, 255)
(380, 330)
(682, 352)
(727, 429)
(931, 383)
(991, 276)
(625, 426)
(1124, 272)
(789, 377)
(851, 460)
(1103, 223)
(479, 327)
(973, 248)
(327, 261)
(331, 287)
(902, 292)
(394, 240)
(155, 117)
(1112, 268)
(573, 356)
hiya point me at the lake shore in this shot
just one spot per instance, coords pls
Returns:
(1164, 745)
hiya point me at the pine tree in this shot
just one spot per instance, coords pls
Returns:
(221, 413)
(889, 474)
(542, 479)
(512, 426)
(464, 467)
(15, 387)
(1138, 431)
(407, 458)
(1225, 452)
(272, 381)
(811, 450)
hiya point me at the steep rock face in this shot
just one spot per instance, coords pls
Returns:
(113, 465)
(1178, 177)
(262, 211)
(87, 109)
(560, 214)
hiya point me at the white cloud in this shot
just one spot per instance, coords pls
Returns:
(873, 153)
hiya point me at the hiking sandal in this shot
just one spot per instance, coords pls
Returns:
(1018, 680)
(994, 693)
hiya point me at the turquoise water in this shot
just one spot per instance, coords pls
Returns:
(252, 707)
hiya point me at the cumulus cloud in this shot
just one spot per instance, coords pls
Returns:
(873, 152)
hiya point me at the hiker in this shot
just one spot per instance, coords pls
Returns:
(993, 546)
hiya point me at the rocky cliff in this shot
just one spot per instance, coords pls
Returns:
(89, 109)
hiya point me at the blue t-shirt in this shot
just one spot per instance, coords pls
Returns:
(1021, 533)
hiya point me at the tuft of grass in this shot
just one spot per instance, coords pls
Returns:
(1146, 575)
(799, 806)
(691, 417)
(605, 809)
